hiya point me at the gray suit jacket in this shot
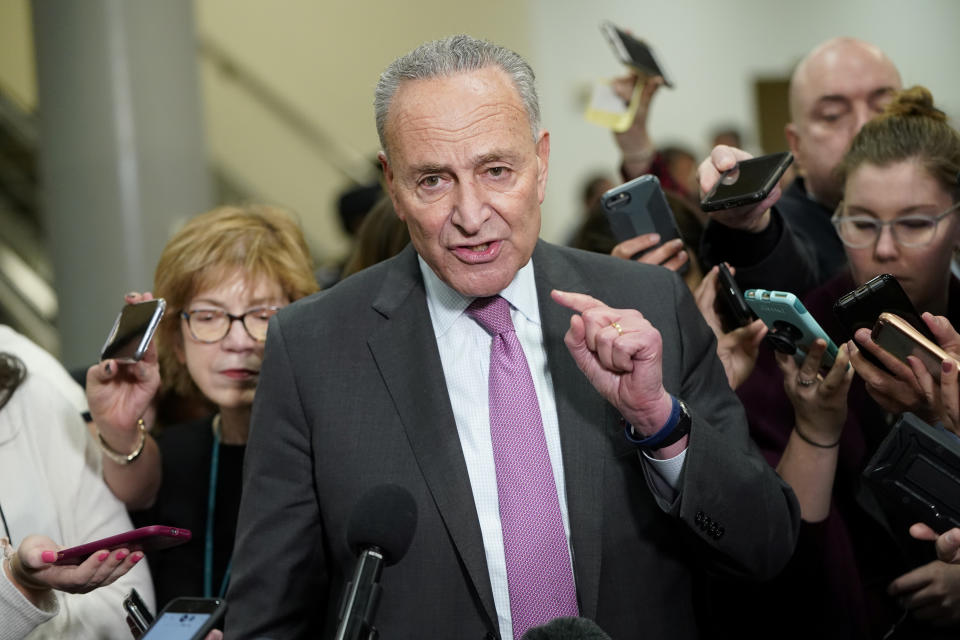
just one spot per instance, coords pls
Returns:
(352, 395)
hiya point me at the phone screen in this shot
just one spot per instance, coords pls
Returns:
(133, 330)
(174, 625)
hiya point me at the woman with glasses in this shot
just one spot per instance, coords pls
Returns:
(223, 275)
(856, 572)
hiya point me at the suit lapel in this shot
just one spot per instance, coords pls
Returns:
(582, 414)
(406, 353)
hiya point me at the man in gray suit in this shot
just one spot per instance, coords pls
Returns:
(637, 475)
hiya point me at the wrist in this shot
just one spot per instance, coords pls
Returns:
(32, 589)
(120, 456)
(649, 419)
(675, 428)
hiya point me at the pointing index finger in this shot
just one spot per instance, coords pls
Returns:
(579, 302)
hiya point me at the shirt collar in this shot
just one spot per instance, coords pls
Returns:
(446, 304)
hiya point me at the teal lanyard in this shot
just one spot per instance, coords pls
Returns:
(211, 510)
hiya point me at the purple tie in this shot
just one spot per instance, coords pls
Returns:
(539, 576)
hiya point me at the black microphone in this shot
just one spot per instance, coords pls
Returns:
(379, 532)
(567, 629)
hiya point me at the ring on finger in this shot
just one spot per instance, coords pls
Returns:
(805, 382)
(616, 325)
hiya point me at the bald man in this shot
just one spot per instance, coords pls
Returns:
(787, 242)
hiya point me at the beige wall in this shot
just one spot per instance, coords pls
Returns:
(324, 58)
(17, 71)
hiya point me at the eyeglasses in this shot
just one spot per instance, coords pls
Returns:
(213, 325)
(858, 232)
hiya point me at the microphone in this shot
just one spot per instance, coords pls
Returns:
(379, 532)
(567, 629)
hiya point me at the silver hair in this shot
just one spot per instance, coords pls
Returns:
(451, 56)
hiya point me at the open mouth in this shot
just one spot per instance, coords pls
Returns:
(478, 253)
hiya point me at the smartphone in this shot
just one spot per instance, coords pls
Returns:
(792, 329)
(900, 338)
(916, 473)
(733, 309)
(142, 539)
(639, 207)
(634, 53)
(861, 307)
(138, 615)
(748, 183)
(187, 619)
(133, 330)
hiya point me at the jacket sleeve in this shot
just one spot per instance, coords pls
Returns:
(729, 497)
(279, 554)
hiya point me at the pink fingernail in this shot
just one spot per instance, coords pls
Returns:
(48, 556)
(103, 555)
(121, 555)
(136, 557)
(946, 366)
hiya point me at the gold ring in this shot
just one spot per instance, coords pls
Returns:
(616, 325)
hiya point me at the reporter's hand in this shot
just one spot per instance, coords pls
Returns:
(896, 391)
(753, 218)
(819, 402)
(737, 349)
(636, 148)
(32, 570)
(945, 397)
(947, 543)
(670, 254)
(119, 394)
(930, 593)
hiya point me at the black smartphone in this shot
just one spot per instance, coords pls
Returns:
(748, 183)
(862, 307)
(634, 53)
(186, 619)
(732, 308)
(133, 330)
(639, 207)
(916, 473)
(139, 617)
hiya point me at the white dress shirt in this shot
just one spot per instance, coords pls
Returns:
(465, 355)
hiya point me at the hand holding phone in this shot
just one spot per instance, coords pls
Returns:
(753, 218)
(748, 183)
(792, 329)
(142, 539)
(639, 207)
(900, 338)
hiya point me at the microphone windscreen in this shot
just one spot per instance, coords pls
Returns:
(385, 517)
(567, 629)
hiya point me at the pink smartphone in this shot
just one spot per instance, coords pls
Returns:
(142, 539)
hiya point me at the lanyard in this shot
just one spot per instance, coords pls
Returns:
(211, 510)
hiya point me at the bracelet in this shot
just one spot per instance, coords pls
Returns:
(124, 458)
(819, 445)
(675, 428)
